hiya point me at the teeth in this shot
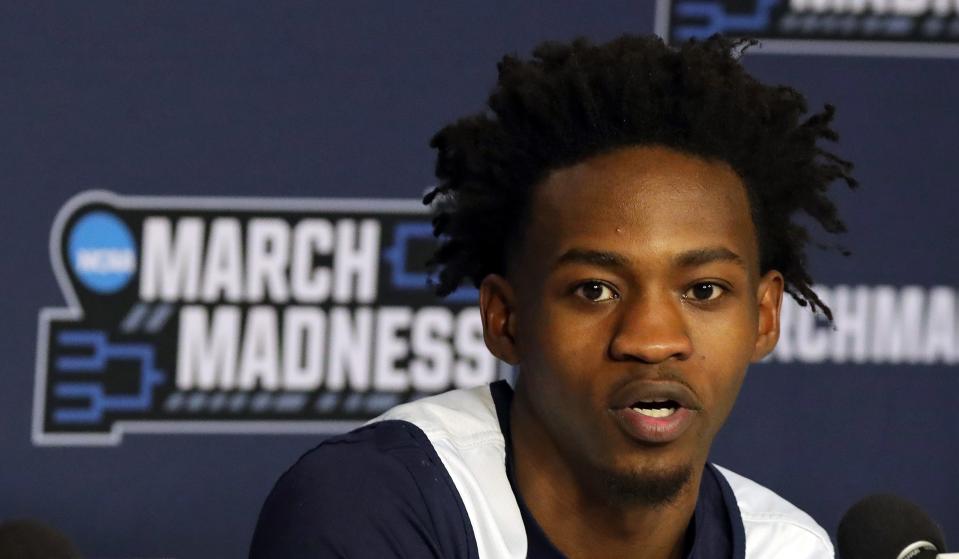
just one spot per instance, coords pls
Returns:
(656, 412)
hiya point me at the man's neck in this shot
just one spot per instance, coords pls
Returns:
(571, 505)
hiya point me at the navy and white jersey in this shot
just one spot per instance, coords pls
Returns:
(433, 478)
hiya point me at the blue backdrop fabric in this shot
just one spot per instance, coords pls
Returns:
(339, 100)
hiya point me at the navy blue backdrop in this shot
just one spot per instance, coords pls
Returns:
(332, 100)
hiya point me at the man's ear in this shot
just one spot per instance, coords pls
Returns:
(770, 298)
(499, 319)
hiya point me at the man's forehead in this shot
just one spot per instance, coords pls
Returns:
(645, 198)
(643, 184)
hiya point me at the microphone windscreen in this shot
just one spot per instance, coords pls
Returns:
(881, 526)
(30, 539)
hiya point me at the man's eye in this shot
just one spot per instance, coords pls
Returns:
(704, 291)
(596, 291)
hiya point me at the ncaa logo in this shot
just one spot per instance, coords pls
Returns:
(101, 251)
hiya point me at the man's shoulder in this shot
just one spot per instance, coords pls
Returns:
(464, 430)
(775, 528)
(461, 417)
(424, 479)
(377, 491)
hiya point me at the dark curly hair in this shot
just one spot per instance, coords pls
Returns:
(573, 101)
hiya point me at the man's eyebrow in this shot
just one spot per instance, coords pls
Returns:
(688, 259)
(601, 258)
(701, 256)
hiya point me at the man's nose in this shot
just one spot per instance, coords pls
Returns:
(652, 329)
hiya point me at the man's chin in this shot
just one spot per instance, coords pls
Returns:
(649, 487)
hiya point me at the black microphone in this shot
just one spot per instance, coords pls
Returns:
(31, 539)
(886, 526)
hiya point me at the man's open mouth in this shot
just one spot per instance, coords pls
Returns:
(654, 412)
(656, 408)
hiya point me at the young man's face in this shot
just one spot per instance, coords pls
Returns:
(637, 281)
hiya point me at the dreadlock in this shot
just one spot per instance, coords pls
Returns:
(573, 101)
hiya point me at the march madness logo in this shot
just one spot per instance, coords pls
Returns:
(856, 27)
(204, 315)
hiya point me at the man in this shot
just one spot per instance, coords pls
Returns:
(627, 213)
